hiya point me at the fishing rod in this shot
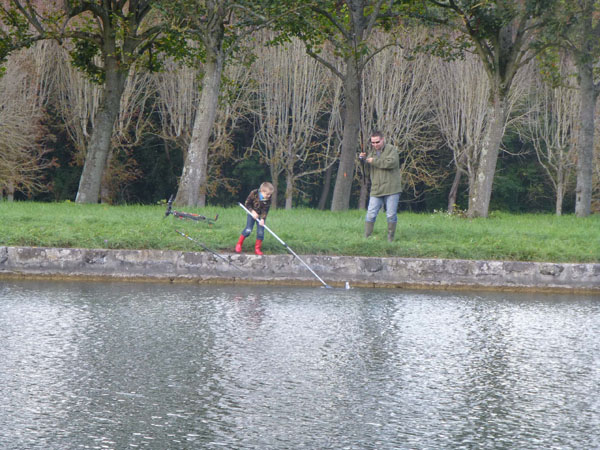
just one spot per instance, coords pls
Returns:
(362, 160)
(360, 111)
(208, 249)
(289, 249)
(184, 215)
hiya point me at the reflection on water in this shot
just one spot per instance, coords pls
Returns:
(90, 365)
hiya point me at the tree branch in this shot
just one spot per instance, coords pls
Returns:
(30, 14)
(333, 21)
(325, 63)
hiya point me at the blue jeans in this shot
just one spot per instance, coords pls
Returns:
(391, 207)
(260, 230)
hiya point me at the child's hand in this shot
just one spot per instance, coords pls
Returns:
(254, 215)
(261, 222)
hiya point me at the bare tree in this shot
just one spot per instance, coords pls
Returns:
(552, 127)
(218, 27)
(333, 142)
(578, 30)
(133, 123)
(460, 104)
(76, 100)
(233, 108)
(502, 34)
(292, 93)
(178, 96)
(23, 93)
(178, 92)
(397, 101)
(461, 114)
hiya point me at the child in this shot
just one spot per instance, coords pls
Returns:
(258, 203)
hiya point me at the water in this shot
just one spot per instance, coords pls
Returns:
(156, 366)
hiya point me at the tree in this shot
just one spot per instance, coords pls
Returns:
(502, 33)
(292, 95)
(335, 131)
(580, 32)
(344, 26)
(15, 31)
(77, 101)
(178, 96)
(551, 126)
(108, 38)
(217, 27)
(23, 94)
(178, 92)
(595, 208)
(460, 112)
(120, 34)
(461, 108)
(207, 20)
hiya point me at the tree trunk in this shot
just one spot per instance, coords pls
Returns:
(192, 186)
(326, 187)
(345, 174)
(559, 198)
(99, 146)
(462, 162)
(454, 191)
(479, 201)
(105, 196)
(275, 183)
(289, 189)
(10, 192)
(363, 196)
(585, 149)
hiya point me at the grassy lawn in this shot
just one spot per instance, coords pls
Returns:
(502, 236)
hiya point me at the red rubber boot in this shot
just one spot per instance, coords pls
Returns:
(238, 246)
(257, 247)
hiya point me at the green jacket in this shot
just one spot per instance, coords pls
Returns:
(386, 178)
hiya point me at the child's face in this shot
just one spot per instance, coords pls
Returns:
(265, 194)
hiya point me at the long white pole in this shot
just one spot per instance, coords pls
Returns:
(289, 249)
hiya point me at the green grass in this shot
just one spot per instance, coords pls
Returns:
(502, 236)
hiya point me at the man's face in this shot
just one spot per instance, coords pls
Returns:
(377, 142)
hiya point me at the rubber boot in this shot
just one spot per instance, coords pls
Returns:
(238, 246)
(369, 228)
(391, 231)
(257, 247)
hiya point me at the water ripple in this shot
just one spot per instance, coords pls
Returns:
(118, 365)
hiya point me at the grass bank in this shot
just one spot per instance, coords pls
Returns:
(502, 236)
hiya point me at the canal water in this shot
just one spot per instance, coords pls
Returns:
(159, 366)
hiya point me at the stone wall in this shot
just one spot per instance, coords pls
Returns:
(161, 265)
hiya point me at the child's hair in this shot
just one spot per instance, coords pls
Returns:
(267, 187)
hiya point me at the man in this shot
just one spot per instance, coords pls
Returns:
(386, 183)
